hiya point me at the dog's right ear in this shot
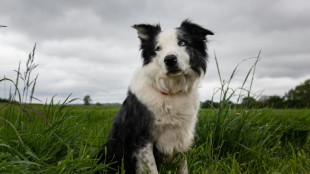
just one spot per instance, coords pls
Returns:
(146, 31)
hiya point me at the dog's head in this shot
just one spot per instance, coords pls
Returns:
(176, 52)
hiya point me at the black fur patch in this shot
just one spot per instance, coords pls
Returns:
(148, 42)
(195, 38)
(131, 130)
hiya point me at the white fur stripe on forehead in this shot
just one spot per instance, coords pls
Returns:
(167, 36)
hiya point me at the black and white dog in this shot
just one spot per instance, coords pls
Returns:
(158, 117)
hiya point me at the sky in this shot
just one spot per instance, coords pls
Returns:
(89, 48)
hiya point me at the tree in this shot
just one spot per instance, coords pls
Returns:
(300, 96)
(249, 102)
(275, 102)
(87, 100)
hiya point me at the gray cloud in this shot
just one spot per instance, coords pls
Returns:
(88, 47)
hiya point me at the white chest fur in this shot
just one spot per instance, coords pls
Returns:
(175, 115)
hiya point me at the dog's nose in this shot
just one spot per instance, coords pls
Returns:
(171, 60)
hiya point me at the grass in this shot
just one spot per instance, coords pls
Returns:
(259, 141)
(59, 138)
(66, 145)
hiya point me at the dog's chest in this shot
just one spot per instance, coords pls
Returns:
(174, 122)
(174, 112)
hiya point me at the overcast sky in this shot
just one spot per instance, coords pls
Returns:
(88, 47)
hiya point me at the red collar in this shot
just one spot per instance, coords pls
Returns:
(163, 93)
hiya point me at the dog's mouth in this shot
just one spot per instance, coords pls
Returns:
(176, 72)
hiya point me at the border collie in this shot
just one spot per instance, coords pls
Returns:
(158, 117)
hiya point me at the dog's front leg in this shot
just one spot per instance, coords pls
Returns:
(183, 167)
(145, 160)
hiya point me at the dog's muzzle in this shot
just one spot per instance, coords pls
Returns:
(171, 62)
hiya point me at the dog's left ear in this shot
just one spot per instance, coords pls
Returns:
(194, 29)
(146, 31)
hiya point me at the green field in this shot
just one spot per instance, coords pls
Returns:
(64, 139)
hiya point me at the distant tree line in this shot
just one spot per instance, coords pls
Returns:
(299, 97)
(4, 100)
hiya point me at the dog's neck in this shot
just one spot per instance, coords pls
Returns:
(173, 85)
(163, 84)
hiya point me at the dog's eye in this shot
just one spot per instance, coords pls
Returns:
(182, 43)
(158, 48)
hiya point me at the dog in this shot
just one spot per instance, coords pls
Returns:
(158, 117)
